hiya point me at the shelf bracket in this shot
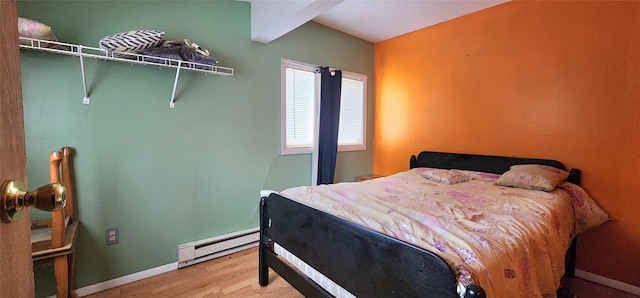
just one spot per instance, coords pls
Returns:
(175, 84)
(85, 100)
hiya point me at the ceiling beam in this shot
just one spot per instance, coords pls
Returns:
(271, 19)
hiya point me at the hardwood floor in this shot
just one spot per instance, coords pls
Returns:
(236, 275)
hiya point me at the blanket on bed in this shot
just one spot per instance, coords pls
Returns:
(510, 241)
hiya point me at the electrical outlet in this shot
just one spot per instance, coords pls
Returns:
(113, 235)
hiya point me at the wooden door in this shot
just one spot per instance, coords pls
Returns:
(16, 268)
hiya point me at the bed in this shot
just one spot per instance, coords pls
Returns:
(360, 261)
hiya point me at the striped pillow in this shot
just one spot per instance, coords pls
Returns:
(132, 41)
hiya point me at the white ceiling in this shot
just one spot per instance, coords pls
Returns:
(371, 20)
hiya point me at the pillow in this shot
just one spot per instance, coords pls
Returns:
(483, 176)
(131, 41)
(537, 177)
(588, 214)
(446, 176)
(36, 30)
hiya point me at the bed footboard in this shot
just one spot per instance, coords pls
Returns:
(364, 262)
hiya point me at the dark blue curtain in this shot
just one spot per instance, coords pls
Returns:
(330, 90)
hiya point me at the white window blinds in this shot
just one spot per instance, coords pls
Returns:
(300, 96)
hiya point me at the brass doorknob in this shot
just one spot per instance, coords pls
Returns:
(14, 198)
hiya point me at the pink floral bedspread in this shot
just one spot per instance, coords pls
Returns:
(510, 241)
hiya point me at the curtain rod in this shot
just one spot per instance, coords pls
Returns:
(315, 67)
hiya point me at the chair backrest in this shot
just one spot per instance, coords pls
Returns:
(67, 180)
(59, 162)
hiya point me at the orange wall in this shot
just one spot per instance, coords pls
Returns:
(542, 79)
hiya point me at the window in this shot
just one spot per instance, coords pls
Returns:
(300, 101)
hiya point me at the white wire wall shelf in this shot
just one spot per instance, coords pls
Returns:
(100, 54)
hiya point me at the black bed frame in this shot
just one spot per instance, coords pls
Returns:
(364, 262)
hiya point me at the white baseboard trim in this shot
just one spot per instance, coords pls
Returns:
(116, 282)
(612, 283)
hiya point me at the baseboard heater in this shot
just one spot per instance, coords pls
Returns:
(207, 249)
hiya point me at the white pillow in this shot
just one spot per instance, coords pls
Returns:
(446, 176)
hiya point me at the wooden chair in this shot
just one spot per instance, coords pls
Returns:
(52, 240)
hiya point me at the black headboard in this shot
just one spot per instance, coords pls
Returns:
(482, 163)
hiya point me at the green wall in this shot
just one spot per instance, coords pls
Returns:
(169, 176)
